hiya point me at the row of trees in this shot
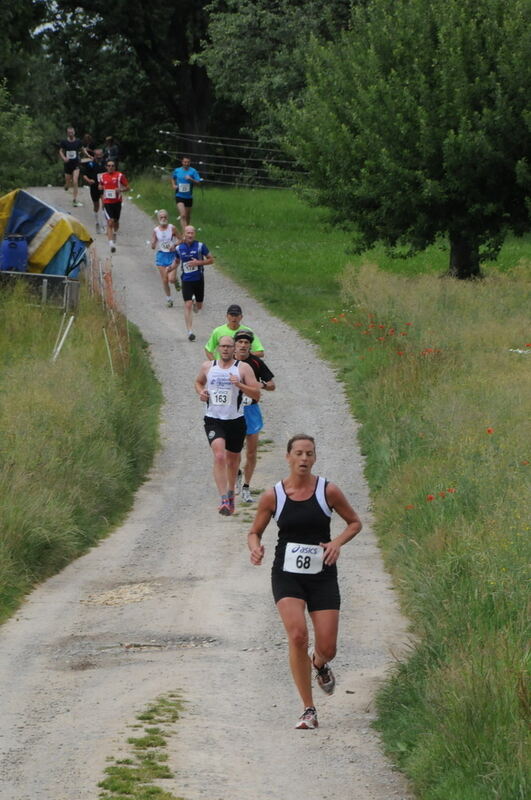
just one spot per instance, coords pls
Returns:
(409, 119)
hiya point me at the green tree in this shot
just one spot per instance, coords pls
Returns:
(255, 53)
(21, 146)
(416, 125)
(163, 36)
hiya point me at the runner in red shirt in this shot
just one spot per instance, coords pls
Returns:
(112, 183)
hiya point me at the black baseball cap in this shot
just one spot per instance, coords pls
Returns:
(244, 334)
(234, 309)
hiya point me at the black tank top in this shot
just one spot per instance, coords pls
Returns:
(303, 521)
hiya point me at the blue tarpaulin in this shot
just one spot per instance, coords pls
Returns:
(57, 241)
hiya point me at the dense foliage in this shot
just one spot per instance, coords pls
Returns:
(416, 124)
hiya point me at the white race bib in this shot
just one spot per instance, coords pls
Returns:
(246, 400)
(187, 267)
(184, 188)
(71, 154)
(306, 559)
(221, 397)
(110, 194)
(165, 246)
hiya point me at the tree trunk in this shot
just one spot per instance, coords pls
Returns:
(464, 257)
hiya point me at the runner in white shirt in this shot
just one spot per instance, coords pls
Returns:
(164, 240)
(221, 385)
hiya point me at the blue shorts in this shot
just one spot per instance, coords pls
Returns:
(253, 418)
(164, 259)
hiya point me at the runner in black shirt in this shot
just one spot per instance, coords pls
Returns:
(252, 411)
(69, 152)
(91, 170)
(304, 573)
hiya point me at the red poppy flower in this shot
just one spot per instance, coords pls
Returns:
(451, 490)
(490, 430)
(442, 494)
(409, 323)
(409, 507)
(333, 319)
(430, 497)
(400, 352)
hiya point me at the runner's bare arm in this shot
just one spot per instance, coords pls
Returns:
(337, 500)
(153, 240)
(200, 382)
(248, 385)
(264, 512)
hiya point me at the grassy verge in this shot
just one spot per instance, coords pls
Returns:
(134, 777)
(430, 372)
(75, 440)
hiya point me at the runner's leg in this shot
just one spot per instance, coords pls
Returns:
(251, 450)
(220, 465)
(325, 626)
(291, 610)
(163, 272)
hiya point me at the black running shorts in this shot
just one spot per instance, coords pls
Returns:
(112, 210)
(95, 192)
(70, 166)
(320, 592)
(186, 201)
(192, 289)
(232, 430)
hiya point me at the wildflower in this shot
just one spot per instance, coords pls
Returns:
(525, 463)
(391, 331)
(430, 497)
(403, 333)
(381, 326)
(409, 323)
(451, 490)
(528, 344)
(409, 506)
(381, 338)
(333, 319)
(400, 352)
(341, 316)
(490, 430)
(442, 494)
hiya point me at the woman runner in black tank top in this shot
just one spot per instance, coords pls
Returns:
(304, 573)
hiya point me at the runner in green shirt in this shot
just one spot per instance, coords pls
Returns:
(233, 324)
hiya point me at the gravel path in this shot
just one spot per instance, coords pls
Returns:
(176, 577)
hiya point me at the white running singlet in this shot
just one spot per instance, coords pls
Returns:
(224, 399)
(164, 238)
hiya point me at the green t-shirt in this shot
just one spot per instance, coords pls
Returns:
(224, 330)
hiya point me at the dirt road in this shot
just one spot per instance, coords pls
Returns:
(176, 577)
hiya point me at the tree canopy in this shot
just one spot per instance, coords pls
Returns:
(256, 51)
(416, 123)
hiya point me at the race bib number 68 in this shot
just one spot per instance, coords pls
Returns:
(306, 559)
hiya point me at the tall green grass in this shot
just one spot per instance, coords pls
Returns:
(428, 367)
(75, 441)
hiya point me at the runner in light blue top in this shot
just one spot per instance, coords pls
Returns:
(183, 179)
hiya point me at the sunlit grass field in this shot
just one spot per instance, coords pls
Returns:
(75, 440)
(438, 372)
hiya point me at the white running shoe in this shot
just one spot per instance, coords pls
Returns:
(325, 678)
(246, 495)
(77, 204)
(169, 302)
(308, 720)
